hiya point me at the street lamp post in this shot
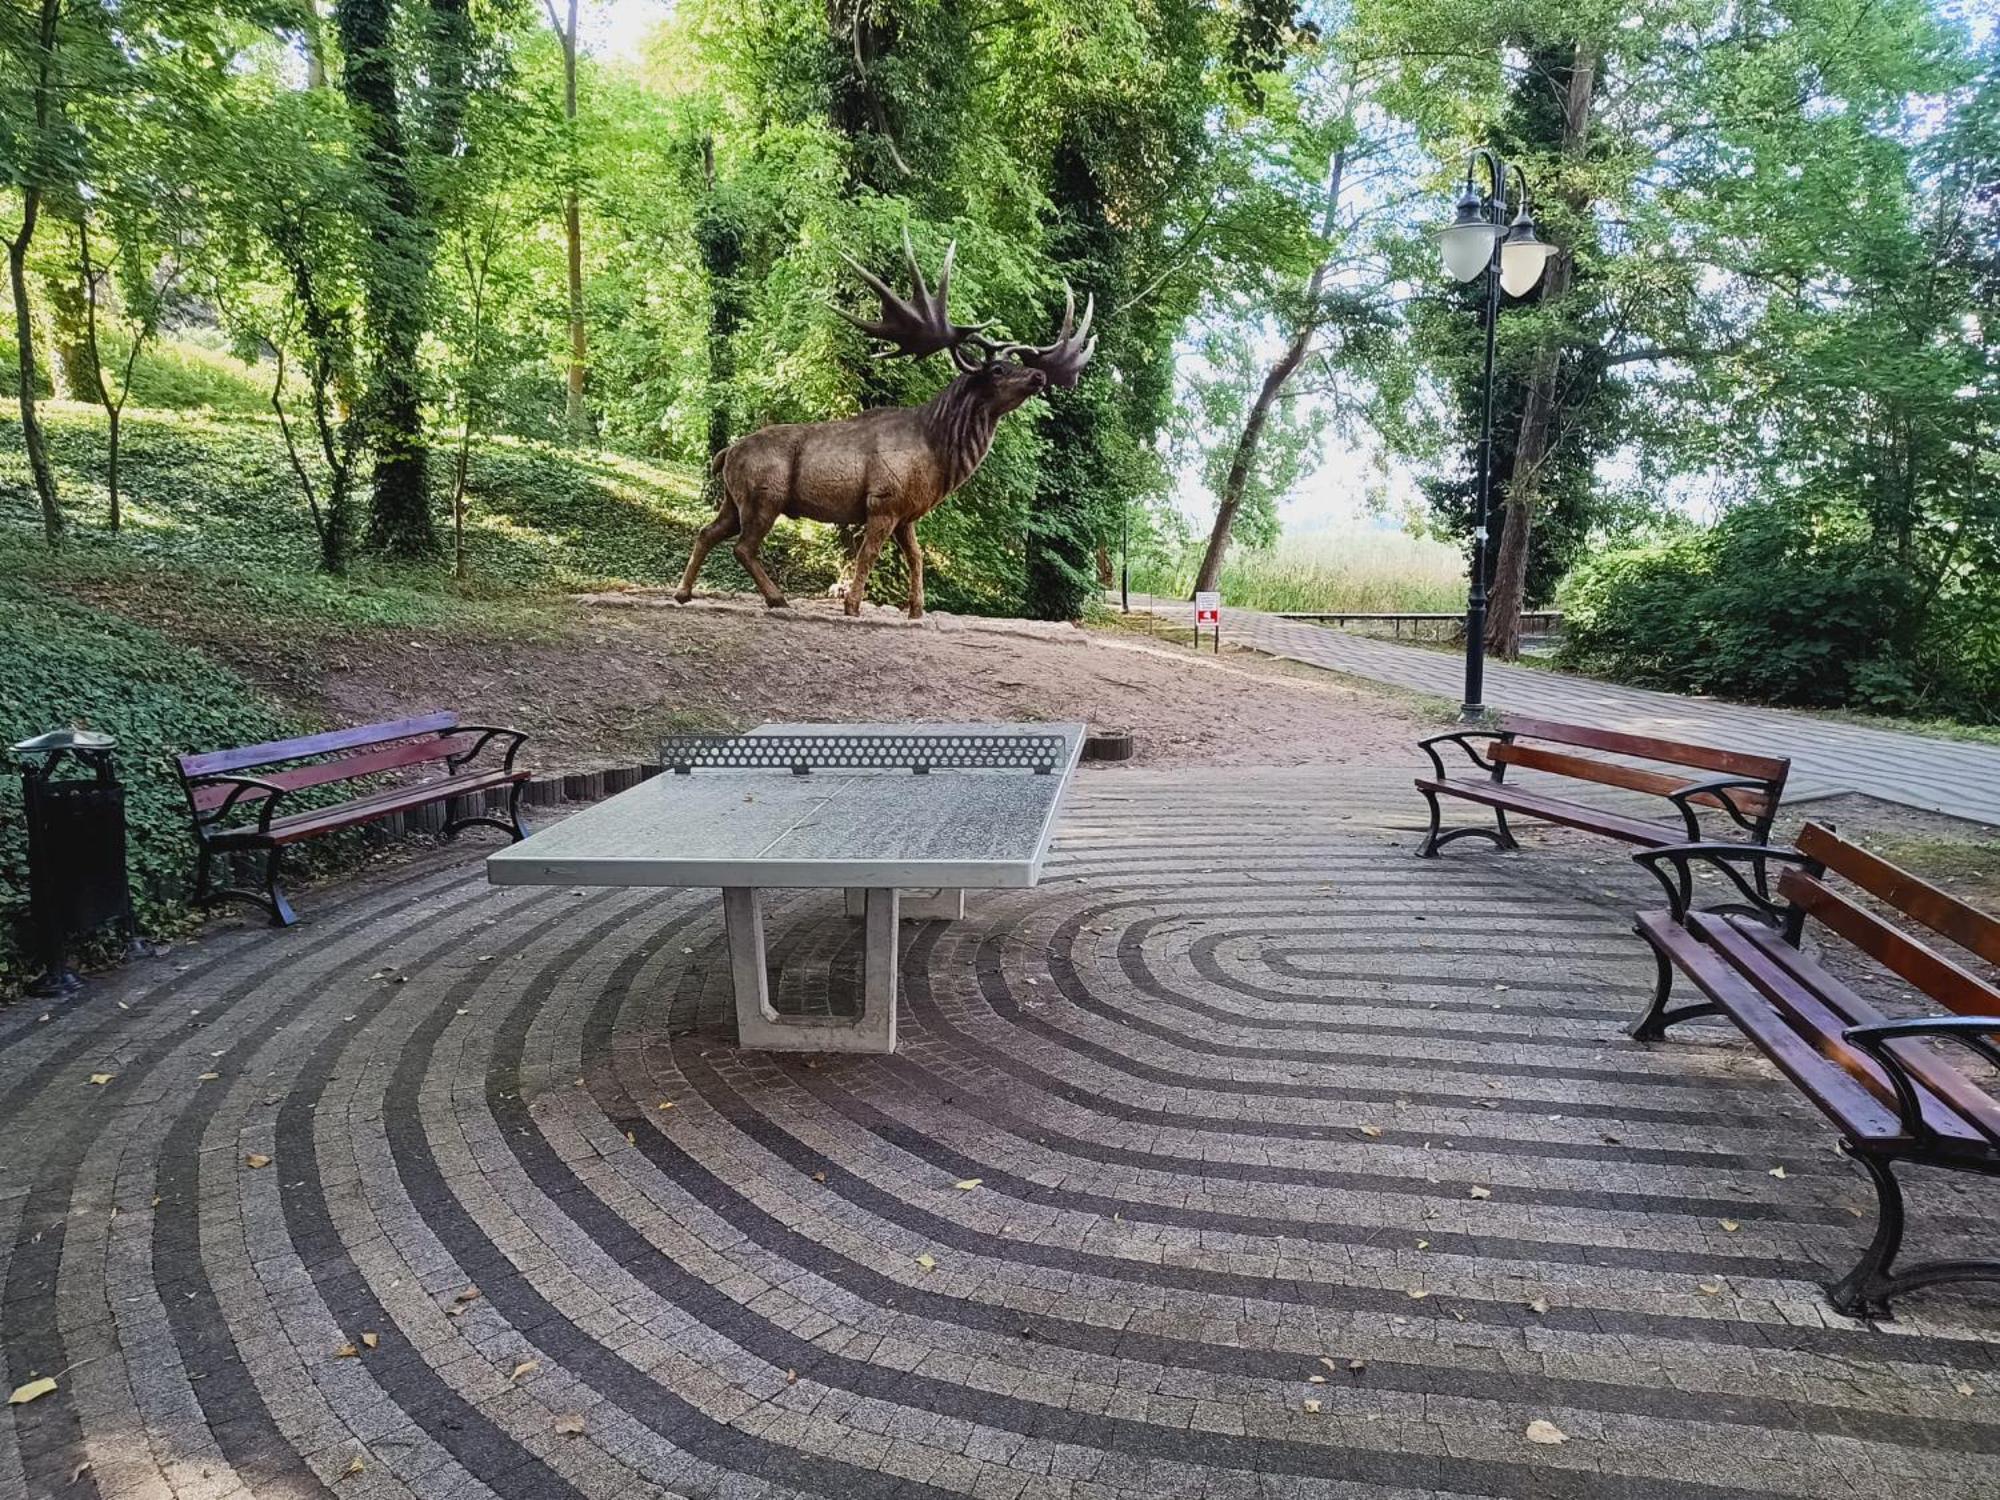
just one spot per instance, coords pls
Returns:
(1479, 240)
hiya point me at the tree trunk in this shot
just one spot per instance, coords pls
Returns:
(397, 276)
(1507, 596)
(1245, 459)
(24, 333)
(576, 420)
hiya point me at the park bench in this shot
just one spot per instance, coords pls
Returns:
(1891, 1086)
(1746, 787)
(237, 811)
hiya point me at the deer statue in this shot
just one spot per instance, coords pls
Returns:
(885, 470)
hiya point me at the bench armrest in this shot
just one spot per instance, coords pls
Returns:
(487, 734)
(1720, 787)
(240, 787)
(1728, 858)
(1974, 1032)
(1463, 739)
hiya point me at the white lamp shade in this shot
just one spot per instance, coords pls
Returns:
(1467, 248)
(1521, 263)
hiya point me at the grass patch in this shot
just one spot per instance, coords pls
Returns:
(1363, 570)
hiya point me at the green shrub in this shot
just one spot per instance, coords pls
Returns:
(1775, 603)
(61, 664)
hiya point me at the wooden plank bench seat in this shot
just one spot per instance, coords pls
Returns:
(1747, 788)
(1888, 1090)
(235, 810)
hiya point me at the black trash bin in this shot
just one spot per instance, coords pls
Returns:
(74, 807)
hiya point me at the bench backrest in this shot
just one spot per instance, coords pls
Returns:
(1936, 911)
(363, 750)
(1752, 802)
(1938, 977)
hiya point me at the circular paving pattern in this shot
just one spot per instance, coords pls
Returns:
(1246, 1156)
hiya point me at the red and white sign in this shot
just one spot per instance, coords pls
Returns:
(1207, 609)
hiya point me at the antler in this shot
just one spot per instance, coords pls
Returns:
(920, 326)
(1063, 361)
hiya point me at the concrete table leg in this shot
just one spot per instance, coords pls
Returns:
(943, 904)
(761, 1027)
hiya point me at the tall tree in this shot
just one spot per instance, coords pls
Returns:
(37, 145)
(398, 276)
(576, 420)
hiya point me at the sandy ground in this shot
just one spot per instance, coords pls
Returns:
(633, 666)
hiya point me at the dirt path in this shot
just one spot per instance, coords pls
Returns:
(624, 668)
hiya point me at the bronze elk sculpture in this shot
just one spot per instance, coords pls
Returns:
(885, 470)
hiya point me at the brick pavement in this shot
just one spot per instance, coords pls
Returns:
(1248, 1095)
(1829, 756)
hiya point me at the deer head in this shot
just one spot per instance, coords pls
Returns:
(921, 325)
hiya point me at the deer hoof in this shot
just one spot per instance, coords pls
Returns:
(778, 603)
(681, 596)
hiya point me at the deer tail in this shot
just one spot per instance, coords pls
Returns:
(715, 463)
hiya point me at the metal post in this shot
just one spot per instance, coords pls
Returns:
(1475, 604)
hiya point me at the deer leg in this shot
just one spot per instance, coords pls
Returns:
(913, 558)
(756, 526)
(872, 539)
(724, 526)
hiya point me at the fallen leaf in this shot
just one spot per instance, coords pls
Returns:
(1417, 1294)
(570, 1426)
(666, 1104)
(1371, 1130)
(1778, 1172)
(79, 1471)
(208, 1078)
(1315, 1380)
(1731, 1225)
(256, 1159)
(1482, 1192)
(1711, 1288)
(525, 1367)
(1357, 1365)
(926, 1262)
(1328, 1363)
(101, 1079)
(1423, 1244)
(1539, 1305)
(1540, 1431)
(819, 1177)
(966, 1185)
(354, 1466)
(371, 1340)
(791, 1377)
(346, 1351)
(1312, 1406)
(34, 1390)
(629, 1140)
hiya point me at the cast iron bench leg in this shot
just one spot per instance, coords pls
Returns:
(1439, 836)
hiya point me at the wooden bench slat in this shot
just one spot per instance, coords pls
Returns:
(1646, 747)
(1750, 802)
(296, 826)
(1838, 1095)
(272, 752)
(1557, 810)
(343, 768)
(1820, 1007)
(1955, 1090)
(1946, 915)
(1934, 974)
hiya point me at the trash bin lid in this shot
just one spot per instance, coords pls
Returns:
(65, 739)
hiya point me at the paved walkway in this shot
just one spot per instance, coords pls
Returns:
(1828, 757)
(1245, 1158)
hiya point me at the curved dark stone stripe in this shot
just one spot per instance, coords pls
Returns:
(50, 1430)
(1060, 958)
(1000, 999)
(956, 1165)
(1507, 1387)
(636, 1393)
(784, 1349)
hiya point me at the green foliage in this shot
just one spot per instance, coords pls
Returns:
(62, 663)
(1772, 604)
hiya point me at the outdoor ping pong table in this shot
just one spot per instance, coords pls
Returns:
(875, 809)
